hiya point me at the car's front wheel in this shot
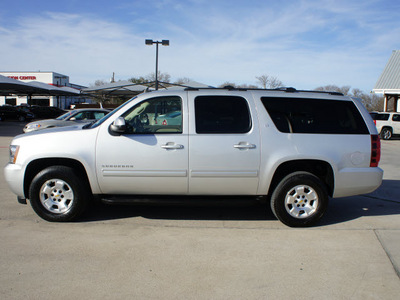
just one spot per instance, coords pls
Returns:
(58, 194)
(299, 200)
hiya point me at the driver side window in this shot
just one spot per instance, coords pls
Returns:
(155, 115)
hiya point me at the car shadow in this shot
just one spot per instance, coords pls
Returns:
(383, 202)
(182, 211)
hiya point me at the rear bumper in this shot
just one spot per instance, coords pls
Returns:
(357, 181)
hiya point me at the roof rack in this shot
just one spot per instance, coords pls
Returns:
(283, 89)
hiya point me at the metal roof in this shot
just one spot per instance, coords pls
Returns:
(9, 86)
(129, 88)
(389, 81)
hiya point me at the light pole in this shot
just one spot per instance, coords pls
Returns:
(164, 43)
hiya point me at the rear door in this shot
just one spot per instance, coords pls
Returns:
(224, 154)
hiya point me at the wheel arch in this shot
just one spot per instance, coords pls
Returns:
(322, 169)
(387, 127)
(38, 165)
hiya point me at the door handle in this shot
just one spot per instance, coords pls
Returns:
(244, 145)
(169, 146)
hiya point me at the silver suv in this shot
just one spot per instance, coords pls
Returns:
(295, 148)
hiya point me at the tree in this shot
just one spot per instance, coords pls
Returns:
(227, 83)
(137, 80)
(270, 82)
(182, 80)
(163, 77)
(372, 102)
(98, 82)
(334, 88)
(237, 86)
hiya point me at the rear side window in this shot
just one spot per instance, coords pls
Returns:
(222, 114)
(319, 116)
(382, 117)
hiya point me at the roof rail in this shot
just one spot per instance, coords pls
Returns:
(287, 89)
(283, 89)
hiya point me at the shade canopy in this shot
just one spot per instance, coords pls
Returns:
(9, 86)
(126, 88)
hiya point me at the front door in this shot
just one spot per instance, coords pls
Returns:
(151, 157)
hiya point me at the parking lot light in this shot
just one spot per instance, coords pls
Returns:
(151, 42)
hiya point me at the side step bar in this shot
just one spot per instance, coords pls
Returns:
(182, 200)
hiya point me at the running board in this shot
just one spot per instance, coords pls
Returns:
(181, 200)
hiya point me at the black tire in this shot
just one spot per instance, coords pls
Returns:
(386, 133)
(299, 200)
(58, 194)
(21, 118)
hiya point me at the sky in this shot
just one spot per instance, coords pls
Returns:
(305, 44)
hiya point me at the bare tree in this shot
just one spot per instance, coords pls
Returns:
(334, 88)
(372, 102)
(274, 83)
(182, 80)
(227, 83)
(263, 80)
(270, 82)
(98, 82)
(164, 77)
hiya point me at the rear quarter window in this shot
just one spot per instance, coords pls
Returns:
(315, 116)
(396, 118)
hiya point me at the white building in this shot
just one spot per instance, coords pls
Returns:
(52, 78)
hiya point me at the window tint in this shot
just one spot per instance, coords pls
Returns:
(396, 118)
(222, 114)
(297, 115)
(155, 115)
(382, 117)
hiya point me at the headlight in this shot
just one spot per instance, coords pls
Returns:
(33, 126)
(13, 153)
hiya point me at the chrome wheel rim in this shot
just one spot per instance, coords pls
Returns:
(301, 201)
(387, 135)
(56, 196)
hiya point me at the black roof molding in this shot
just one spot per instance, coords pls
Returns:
(282, 89)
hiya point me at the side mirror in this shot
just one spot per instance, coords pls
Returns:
(118, 126)
(73, 119)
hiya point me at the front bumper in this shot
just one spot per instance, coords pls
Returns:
(14, 176)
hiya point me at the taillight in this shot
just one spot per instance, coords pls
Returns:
(375, 151)
(375, 122)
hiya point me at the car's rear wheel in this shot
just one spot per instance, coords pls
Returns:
(299, 200)
(58, 194)
(386, 133)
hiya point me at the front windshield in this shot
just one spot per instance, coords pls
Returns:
(64, 116)
(100, 121)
